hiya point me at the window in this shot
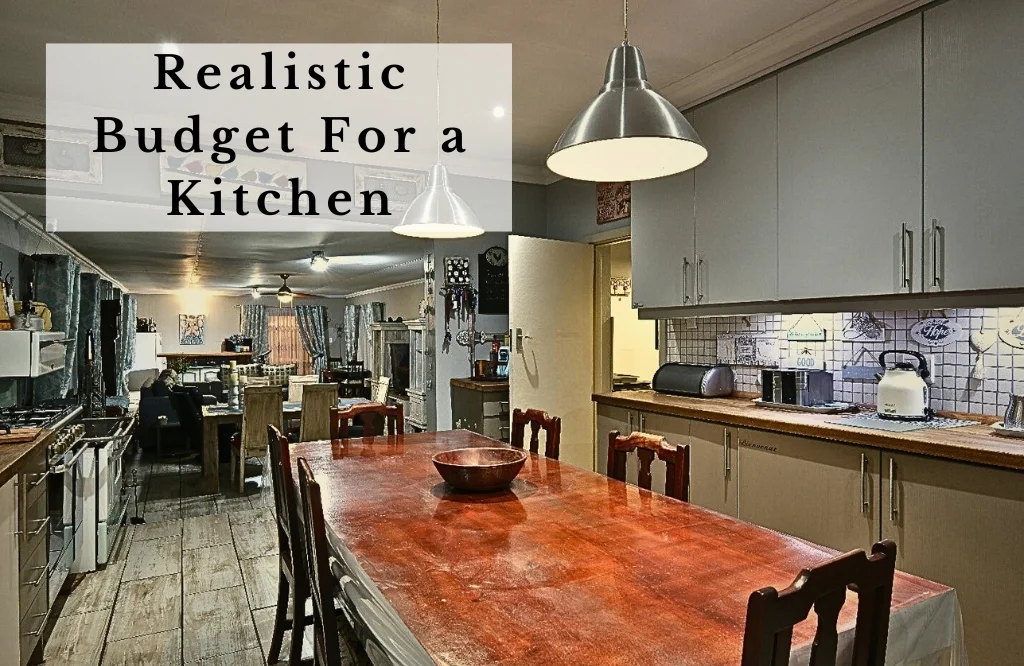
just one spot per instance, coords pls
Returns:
(286, 342)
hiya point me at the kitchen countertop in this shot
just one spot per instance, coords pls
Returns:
(12, 455)
(974, 444)
(482, 385)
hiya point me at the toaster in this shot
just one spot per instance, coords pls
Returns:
(796, 387)
(702, 381)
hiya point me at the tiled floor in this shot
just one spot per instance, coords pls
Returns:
(196, 584)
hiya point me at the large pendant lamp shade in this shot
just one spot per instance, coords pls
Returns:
(438, 212)
(629, 131)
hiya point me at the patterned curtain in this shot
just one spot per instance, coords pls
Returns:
(312, 320)
(350, 333)
(89, 319)
(126, 342)
(368, 314)
(58, 284)
(254, 325)
(106, 290)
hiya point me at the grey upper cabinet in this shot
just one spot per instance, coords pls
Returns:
(974, 140)
(661, 230)
(850, 168)
(736, 198)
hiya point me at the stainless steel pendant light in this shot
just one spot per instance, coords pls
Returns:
(438, 212)
(629, 131)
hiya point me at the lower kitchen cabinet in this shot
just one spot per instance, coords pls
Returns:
(713, 466)
(963, 525)
(9, 572)
(821, 491)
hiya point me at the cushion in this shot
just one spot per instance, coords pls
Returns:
(278, 374)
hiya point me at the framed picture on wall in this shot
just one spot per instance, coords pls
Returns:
(191, 329)
(69, 156)
(613, 202)
(401, 186)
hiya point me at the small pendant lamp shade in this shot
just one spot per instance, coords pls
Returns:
(438, 212)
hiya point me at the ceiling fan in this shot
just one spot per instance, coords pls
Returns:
(285, 294)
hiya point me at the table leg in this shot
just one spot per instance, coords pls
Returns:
(211, 457)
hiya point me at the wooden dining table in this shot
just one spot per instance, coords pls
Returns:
(215, 416)
(566, 567)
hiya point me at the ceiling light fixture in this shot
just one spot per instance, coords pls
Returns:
(319, 262)
(437, 212)
(498, 111)
(255, 292)
(628, 132)
(169, 48)
(285, 296)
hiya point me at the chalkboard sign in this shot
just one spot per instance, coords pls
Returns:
(493, 275)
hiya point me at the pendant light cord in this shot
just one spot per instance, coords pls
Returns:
(437, 70)
(625, 20)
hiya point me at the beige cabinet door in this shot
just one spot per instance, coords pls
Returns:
(9, 620)
(963, 525)
(713, 466)
(821, 491)
(611, 419)
(551, 314)
(675, 431)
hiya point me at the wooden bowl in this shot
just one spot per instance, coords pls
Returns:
(480, 470)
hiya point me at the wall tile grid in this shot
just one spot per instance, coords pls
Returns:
(953, 389)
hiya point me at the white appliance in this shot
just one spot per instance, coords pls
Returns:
(31, 353)
(105, 500)
(147, 348)
(902, 391)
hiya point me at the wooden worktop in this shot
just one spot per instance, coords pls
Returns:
(567, 567)
(975, 444)
(13, 455)
(482, 385)
(229, 356)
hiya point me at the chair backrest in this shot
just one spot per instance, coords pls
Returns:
(291, 541)
(317, 402)
(253, 380)
(379, 389)
(537, 419)
(321, 580)
(393, 416)
(263, 407)
(771, 614)
(296, 384)
(647, 448)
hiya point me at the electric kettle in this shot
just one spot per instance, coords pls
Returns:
(902, 391)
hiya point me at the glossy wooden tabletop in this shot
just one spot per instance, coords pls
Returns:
(569, 567)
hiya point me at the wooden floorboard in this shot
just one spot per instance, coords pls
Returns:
(94, 591)
(208, 569)
(206, 530)
(77, 639)
(146, 606)
(251, 657)
(260, 575)
(162, 649)
(152, 558)
(157, 530)
(255, 539)
(216, 623)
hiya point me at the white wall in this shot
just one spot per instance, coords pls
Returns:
(633, 351)
(571, 207)
(402, 302)
(456, 362)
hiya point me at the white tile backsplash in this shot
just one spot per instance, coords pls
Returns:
(953, 389)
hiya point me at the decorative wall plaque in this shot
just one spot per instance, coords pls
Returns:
(613, 201)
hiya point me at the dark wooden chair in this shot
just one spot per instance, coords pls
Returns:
(335, 643)
(647, 448)
(341, 417)
(293, 578)
(771, 614)
(537, 419)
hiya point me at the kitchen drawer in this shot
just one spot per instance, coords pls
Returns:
(32, 577)
(34, 527)
(32, 624)
(32, 478)
(495, 408)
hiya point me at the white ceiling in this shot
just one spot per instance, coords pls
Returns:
(694, 49)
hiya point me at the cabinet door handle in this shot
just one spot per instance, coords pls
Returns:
(643, 422)
(905, 233)
(938, 243)
(864, 483)
(686, 271)
(629, 420)
(726, 463)
(41, 577)
(893, 511)
(43, 523)
(39, 478)
(700, 292)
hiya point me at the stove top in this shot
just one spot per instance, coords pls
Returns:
(34, 417)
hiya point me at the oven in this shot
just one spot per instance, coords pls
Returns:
(65, 490)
